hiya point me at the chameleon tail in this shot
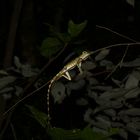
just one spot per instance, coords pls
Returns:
(48, 102)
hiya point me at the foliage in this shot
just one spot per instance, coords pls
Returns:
(61, 134)
(52, 45)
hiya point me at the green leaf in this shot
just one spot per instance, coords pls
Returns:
(75, 29)
(85, 134)
(50, 46)
(62, 134)
(41, 117)
(89, 134)
(64, 37)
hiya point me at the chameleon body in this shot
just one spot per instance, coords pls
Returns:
(65, 73)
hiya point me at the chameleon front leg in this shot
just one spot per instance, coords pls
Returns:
(67, 75)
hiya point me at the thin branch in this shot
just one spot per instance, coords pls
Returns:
(121, 35)
(119, 64)
(34, 80)
(13, 131)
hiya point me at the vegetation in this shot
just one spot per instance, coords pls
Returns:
(38, 39)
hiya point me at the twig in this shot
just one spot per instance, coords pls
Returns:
(119, 64)
(6, 124)
(43, 69)
(121, 35)
(34, 80)
(13, 131)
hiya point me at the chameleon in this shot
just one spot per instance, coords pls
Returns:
(65, 73)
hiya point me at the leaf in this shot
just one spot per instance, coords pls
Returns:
(102, 55)
(41, 117)
(134, 63)
(131, 2)
(132, 93)
(17, 62)
(62, 134)
(85, 134)
(3, 73)
(27, 71)
(89, 134)
(132, 81)
(6, 89)
(58, 92)
(108, 64)
(50, 46)
(75, 29)
(6, 80)
(88, 65)
(82, 102)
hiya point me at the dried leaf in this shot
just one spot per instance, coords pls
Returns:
(102, 54)
(113, 94)
(58, 92)
(17, 62)
(106, 63)
(132, 81)
(134, 63)
(88, 65)
(110, 112)
(82, 102)
(132, 112)
(7, 96)
(27, 71)
(19, 90)
(87, 115)
(75, 85)
(6, 80)
(123, 134)
(6, 89)
(131, 2)
(3, 73)
(132, 93)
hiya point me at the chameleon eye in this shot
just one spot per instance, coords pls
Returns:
(84, 51)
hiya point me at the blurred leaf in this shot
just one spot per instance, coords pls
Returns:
(132, 81)
(102, 55)
(134, 63)
(3, 73)
(85, 134)
(88, 65)
(64, 37)
(41, 117)
(132, 93)
(50, 46)
(62, 134)
(17, 62)
(75, 29)
(58, 92)
(6, 80)
(88, 134)
(131, 2)
(82, 102)
(27, 71)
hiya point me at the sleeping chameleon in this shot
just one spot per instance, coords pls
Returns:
(65, 73)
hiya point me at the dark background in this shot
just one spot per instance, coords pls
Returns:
(22, 30)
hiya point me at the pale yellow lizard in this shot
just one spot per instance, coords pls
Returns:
(65, 73)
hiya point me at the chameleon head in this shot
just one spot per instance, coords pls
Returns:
(84, 55)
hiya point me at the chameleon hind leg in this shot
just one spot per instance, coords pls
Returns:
(79, 67)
